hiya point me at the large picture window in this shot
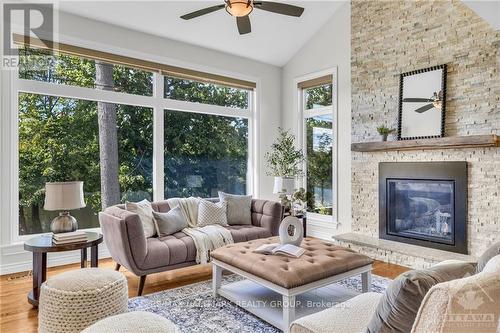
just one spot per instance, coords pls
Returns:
(204, 154)
(318, 142)
(67, 107)
(59, 141)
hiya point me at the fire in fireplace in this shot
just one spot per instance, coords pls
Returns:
(424, 203)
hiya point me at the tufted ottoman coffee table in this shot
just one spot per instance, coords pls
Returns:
(280, 289)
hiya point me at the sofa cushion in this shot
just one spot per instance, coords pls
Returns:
(492, 251)
(244, 233)
(238, 208)
(398, 308)
(169, 250)
(170, 222)
(145, 212)
(161, 206)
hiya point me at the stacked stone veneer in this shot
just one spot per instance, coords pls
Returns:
(393, 37)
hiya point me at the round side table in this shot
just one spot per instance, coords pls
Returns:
(41, 245)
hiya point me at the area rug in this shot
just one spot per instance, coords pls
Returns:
(194, 310)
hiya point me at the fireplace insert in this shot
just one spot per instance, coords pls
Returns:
(424, 203)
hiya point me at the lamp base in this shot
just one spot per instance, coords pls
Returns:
(63, 223)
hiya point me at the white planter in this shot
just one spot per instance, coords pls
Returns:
(284, 185)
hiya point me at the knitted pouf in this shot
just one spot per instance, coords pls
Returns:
(133, 322)
(74, 300)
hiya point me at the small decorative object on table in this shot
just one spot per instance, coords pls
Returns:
(385, 131)
(291, 231)
(64, 196)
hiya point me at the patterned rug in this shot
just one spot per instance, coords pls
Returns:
(194, 310)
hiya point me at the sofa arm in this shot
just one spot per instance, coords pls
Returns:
(267, 214)
(124, 237)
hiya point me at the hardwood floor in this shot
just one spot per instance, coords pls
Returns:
(17, 315)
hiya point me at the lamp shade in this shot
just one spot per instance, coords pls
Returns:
(284, 185)
(64, 196)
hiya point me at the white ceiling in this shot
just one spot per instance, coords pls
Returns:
(274, 38)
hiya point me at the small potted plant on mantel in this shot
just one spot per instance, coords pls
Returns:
(384, 131)
(284, 162)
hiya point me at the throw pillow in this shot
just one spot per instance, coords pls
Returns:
(239, 208)
(492, 266)
(492, 251)
(212, 213)
(399, 305)
(170, 222)
(145, 212)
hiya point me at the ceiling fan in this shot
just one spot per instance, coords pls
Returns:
(436, 101)
(242, 8)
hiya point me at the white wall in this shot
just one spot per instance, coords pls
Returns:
(329, 47)
(81, 31)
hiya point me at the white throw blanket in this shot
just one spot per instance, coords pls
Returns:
(206, 238)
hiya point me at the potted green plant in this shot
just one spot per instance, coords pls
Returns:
(384, 131)
(284, 162)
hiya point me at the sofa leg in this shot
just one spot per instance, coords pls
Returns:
(141, 285)
(117, 267)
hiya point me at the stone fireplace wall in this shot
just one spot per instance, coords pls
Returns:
(393, 37)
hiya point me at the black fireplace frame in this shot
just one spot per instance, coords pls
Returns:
(445, 171)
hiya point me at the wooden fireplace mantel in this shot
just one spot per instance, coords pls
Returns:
(452, 142)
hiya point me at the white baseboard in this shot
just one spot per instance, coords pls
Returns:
(320, 229)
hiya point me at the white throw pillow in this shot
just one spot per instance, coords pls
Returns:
(145, 212)
(212, 213)
(493, 265)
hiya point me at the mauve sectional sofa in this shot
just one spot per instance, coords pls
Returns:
(124, 237)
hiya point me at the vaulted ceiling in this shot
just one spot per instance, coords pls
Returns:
(274, 39)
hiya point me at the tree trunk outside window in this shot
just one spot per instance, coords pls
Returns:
(108, 138)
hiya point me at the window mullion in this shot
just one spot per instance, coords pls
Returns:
(158, 140)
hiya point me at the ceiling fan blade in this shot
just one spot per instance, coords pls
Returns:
(280, 8)
(424, 108)
(244, 26)
(201, 12)
(417, 100)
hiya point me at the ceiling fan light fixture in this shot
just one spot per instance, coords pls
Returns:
(239, 8)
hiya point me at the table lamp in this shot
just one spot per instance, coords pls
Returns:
(63, 196)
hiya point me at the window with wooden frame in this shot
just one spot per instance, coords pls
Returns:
(318, 139)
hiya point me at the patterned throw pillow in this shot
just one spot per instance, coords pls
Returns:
(145, 212)
(212, 213)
